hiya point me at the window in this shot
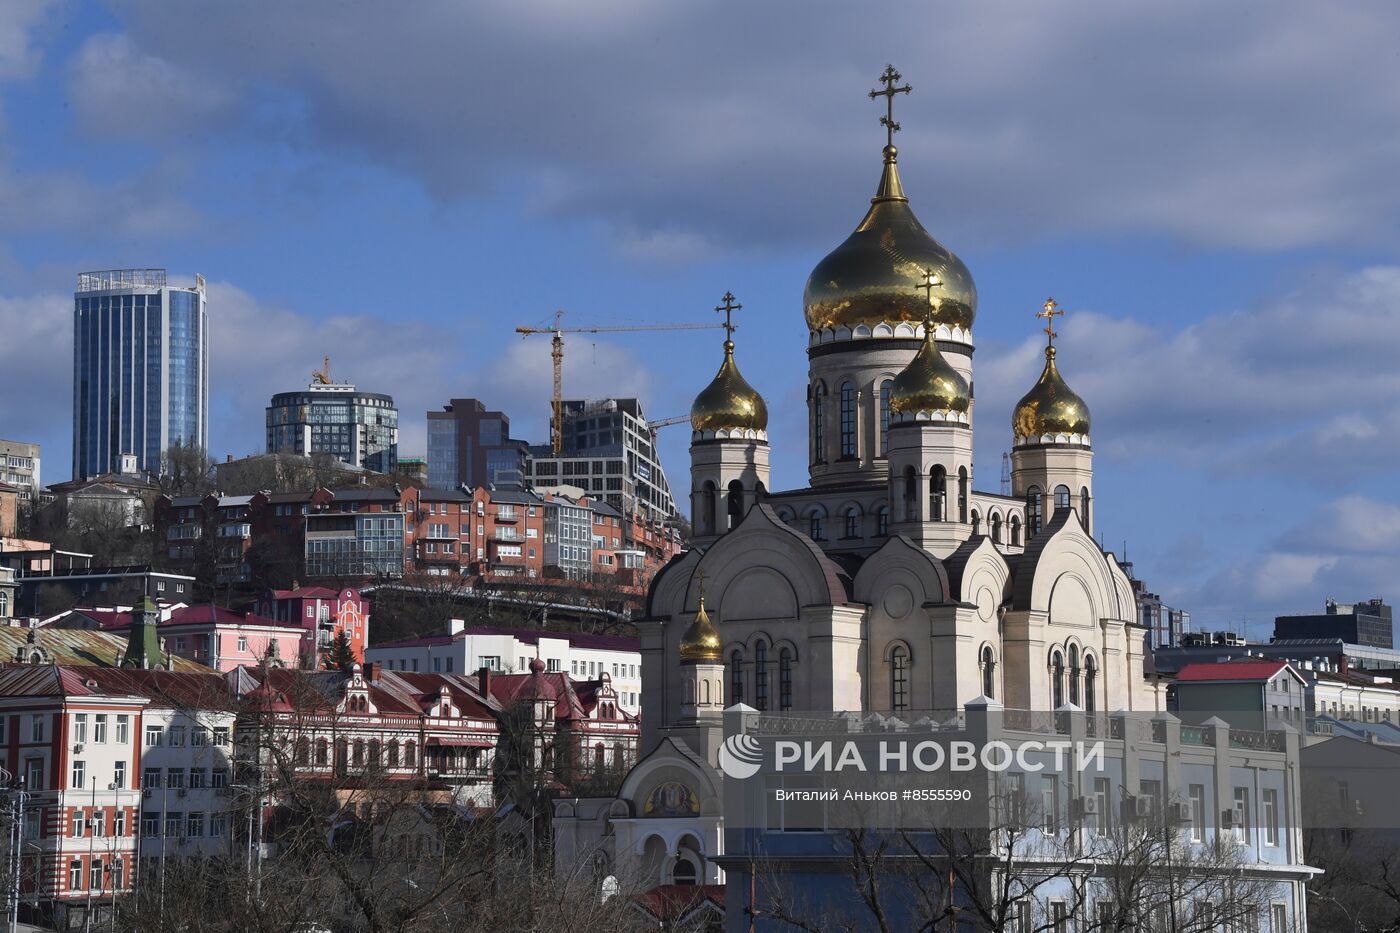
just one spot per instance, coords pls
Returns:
(36, 727)
(989, 672)
(218, 777)
(1061, 498)
(1278, 918)
(850, 526)
(1102, 822)
(176, 736)
(199, 737)
(79, 777)
(1074, 675)
(1016, 530)
(1032, 512)
(848, 421)
(962, 495)
(99, 728)
(221, 736)
(899, 678)
(785, 678)
(1049, 804)
(1057, 680)
(119, 822)
(735, 503)
(1242, 833)
(175, 777)
(816, 529)
(174, 824)
(198, 776)
(150, 777)
(242, 642)
(819, 423)
(75, 824)
(760, 674)
(80, 728)
(153, 735)
(75, 875)
(410, 754)
(1084, 507)
(97, 826)
(150, 824)
(938, 494)
(885, 388)
(736, 678)
(194, 825)
(218, 824)
(123, 729)
(976, 522)
(1268, 815)
(882, 521)
(119, 774)
(1197, 793)
(996, 527)
(1059, 917)
(34, 774)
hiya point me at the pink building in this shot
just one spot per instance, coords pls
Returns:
(322, 613)
(210, 635)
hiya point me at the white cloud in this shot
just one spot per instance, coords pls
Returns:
(118, 91)
(18, 19)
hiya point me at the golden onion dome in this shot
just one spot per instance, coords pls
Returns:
(871, 278)
(929, 383)
(701, 642)
(729, 403)
(1050, 408)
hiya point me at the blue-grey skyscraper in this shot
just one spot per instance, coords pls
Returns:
(140, 368)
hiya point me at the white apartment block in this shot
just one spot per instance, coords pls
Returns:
(465, 650)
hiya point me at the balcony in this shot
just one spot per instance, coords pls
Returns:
(507, 513)
(506, 534)
(236, 530)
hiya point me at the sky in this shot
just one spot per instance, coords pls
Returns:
(1208, 189)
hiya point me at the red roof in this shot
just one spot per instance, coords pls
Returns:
(306, 592)
(674, 902)
(1230, 670)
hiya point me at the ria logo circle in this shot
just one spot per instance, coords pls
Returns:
(740, 756)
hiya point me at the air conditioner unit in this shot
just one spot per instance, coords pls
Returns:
(1086, 806)
(1182, 812)
(1139, 807)
(1232, 818)
(78, 748)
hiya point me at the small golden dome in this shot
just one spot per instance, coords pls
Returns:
(701, 641)
(929, 383)
(1050, 408)
(729, 403)
(871, 278)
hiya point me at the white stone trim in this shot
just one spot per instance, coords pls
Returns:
(730, 434)
(888, 329)
(1081, 440)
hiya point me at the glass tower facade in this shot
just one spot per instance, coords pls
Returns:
(361, 428)
(140, 369)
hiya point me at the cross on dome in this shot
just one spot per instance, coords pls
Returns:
(890, 79)
(1050, 310)
(928, 281)
(728, 309)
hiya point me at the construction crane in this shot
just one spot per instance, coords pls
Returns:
(322, 376)
(556, 415)
(653, 426)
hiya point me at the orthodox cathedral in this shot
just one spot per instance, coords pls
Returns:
(888, 583)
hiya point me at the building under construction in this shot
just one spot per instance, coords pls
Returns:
(606, 449)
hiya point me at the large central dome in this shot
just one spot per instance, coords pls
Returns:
(873, 278)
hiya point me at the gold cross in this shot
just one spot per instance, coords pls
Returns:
(1050, 310)
(889, 79)
(700, 582)
(729, 307)
(927, 283)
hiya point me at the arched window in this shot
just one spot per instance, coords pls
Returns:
(938, 494)
(816, 525)
(1032, 511)
(322, 752)
(1091, 677)
(1061, 498)
(1084, 507)
(1074, 675)
(359, 753)
(785, 678)
(976, 522)
(760, 675)
(1057, 680)
(375, 753)
(885, 388)
(736, 502)
(989, 673)
(911, 495)
(819, 423)
(962, 495)
(882, 521)
(683, 872)
(848, 420)
(410, 754)
(707, 509)
(736, 677)
(899, 678)
(1016, 530)
(393, 753)
(996, 527)
(342, 755)
(303, 751)
(850, 523)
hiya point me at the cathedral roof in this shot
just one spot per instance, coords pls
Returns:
(701, 641)
(729, 404)
(929, 384)
(871, 277)
(1051, 409)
